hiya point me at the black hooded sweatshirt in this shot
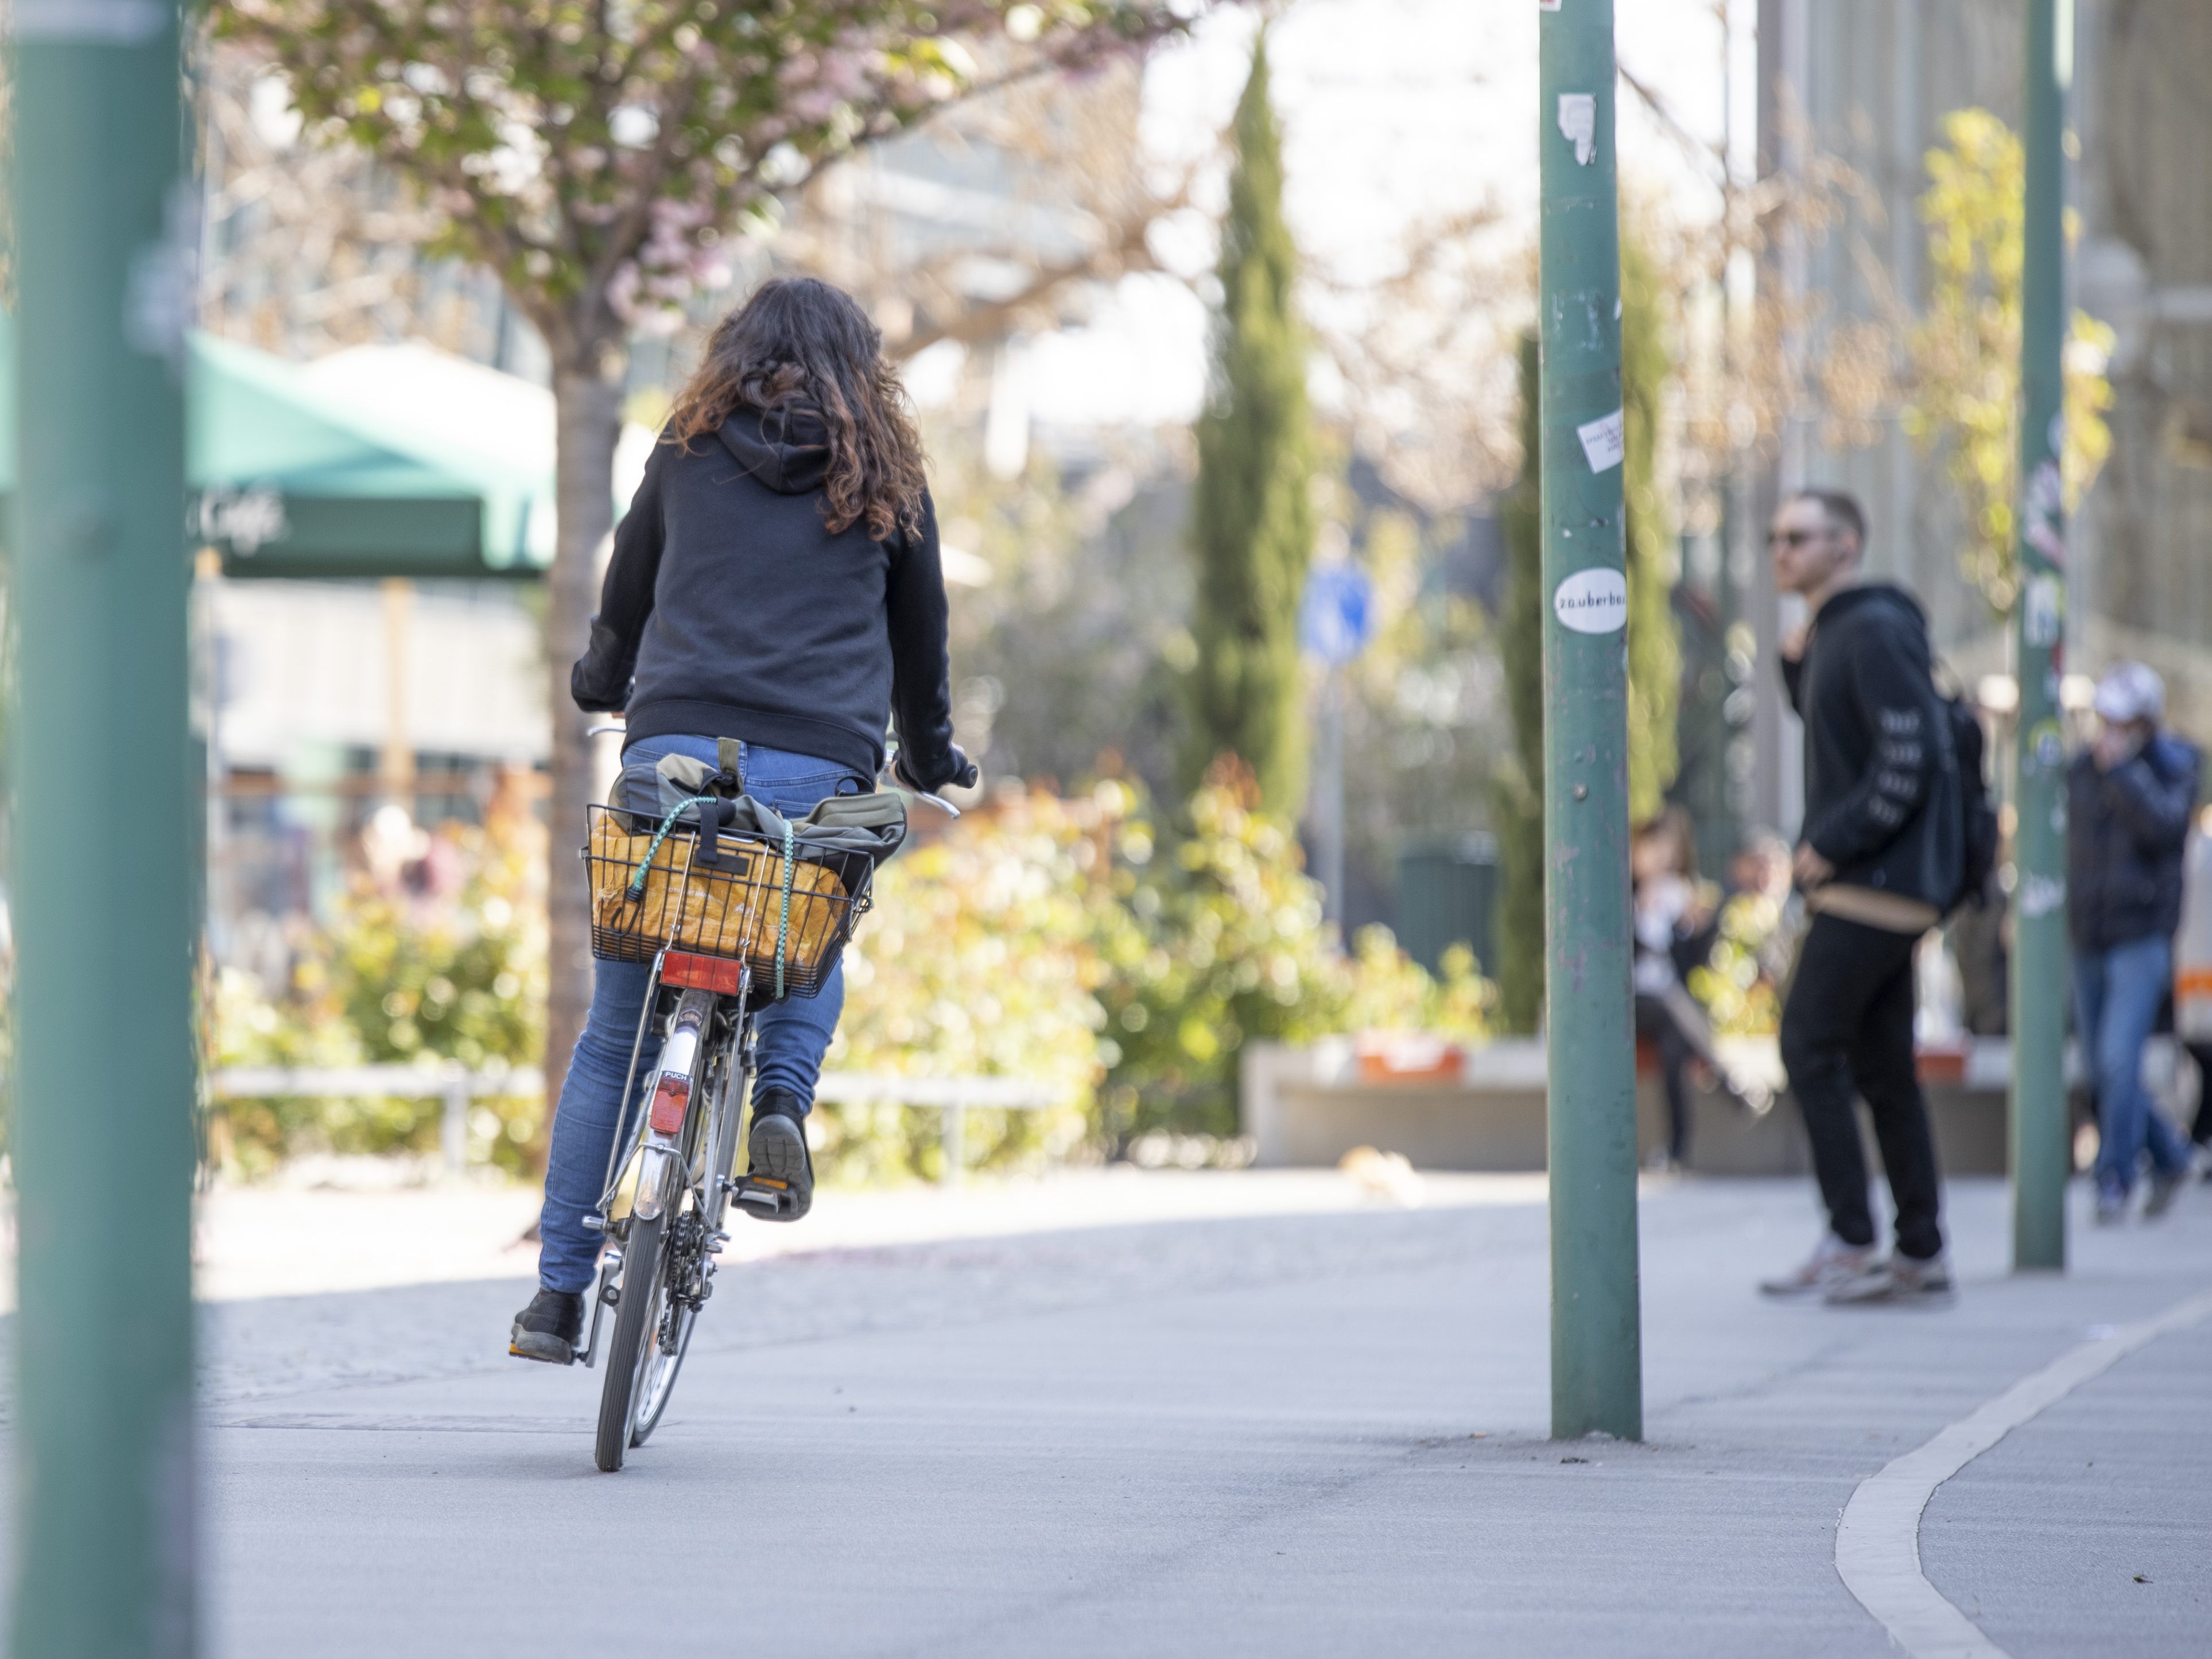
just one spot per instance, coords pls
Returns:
(1883, 800)
(731, 611)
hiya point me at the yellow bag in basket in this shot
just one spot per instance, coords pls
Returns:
(734, 911)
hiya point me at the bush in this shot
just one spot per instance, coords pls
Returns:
(1073, 942)
(1737, 982)
(979, 959)
(1221, 941)
(445, 962)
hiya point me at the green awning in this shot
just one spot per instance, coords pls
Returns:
(380, 461)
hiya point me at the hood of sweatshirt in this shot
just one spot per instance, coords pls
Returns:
(785, 448)
(1868, 595)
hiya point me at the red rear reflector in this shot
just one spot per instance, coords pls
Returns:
(700, 973)
(671, 1096)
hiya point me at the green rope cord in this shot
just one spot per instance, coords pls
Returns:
(783, 927)
(636, 889)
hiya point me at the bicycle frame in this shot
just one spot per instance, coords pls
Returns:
(684, 1139)
(685, 1135)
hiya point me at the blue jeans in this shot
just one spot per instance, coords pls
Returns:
(2117, 994)
(794, 1034)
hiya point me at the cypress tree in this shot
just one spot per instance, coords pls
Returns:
(1253, 516)
(1517, 791)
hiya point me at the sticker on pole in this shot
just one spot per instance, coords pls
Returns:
(1578, 123)
(2043, 614)
(1592, 601)
(1605, 440)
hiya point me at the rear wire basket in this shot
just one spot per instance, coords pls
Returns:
(733, 906)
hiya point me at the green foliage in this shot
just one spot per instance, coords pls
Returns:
(1739, 993)
(595, 157)
(1252, 515)
(1219, 942)
(1517, 791)
(1223, 942)
(1966, 350)
(1654, 647)
(982, 958)
(398, 979)
(1064, 942)
(1391, 991)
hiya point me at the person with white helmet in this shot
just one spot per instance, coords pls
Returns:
(2128, 800)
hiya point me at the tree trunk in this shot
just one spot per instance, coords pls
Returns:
(587, 391)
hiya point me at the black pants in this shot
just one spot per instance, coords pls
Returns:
(1657, 1025)
(1846, 1032)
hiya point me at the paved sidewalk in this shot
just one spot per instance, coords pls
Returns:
(1272, 1435)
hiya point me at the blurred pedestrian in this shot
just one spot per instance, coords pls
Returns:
(1674, 919)
(1881, 857)
(2192, 978)
(2128, 799)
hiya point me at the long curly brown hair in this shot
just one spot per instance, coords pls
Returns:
(801, 340)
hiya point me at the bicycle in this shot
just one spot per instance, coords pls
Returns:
(698, 907)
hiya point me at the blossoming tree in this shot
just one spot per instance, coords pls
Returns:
(597, 157)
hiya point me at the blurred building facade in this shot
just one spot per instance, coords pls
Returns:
(1870, 82)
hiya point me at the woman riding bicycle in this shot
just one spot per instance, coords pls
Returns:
(775, 582)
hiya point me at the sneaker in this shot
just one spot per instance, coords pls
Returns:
(2111, 1206)
(1833, 1262)
(1897, 1278)
(2163, 1189)
(548, 1328)
(776, 1152)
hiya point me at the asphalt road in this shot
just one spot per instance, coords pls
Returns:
(1313, 1434)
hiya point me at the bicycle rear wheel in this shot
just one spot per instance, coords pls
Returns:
(637, 1318)
(670, 1335)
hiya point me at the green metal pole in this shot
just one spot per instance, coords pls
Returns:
(103, 810)
(2041, 1158)
(1596, 1340)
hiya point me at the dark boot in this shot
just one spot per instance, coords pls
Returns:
(777, 1153)
(548, 1328)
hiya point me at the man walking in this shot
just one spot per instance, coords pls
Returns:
(1880, 858)
(2128, 803)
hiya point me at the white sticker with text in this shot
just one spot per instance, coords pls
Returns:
(1592, 601)
(1605, 440)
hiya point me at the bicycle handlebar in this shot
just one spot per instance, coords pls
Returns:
(889, 775)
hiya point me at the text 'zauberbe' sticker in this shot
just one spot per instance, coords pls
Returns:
(1605, 440)
(1593, 601)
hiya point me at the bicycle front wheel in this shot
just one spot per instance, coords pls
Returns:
(637, 1321)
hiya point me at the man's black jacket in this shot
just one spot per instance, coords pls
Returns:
(1882, 801)
(2124, 833)
(731, 611)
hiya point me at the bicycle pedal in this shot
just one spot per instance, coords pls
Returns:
(763, 1192)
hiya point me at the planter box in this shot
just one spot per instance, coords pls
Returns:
(1310, 1106)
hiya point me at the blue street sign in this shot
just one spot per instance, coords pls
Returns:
(1338, 613)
